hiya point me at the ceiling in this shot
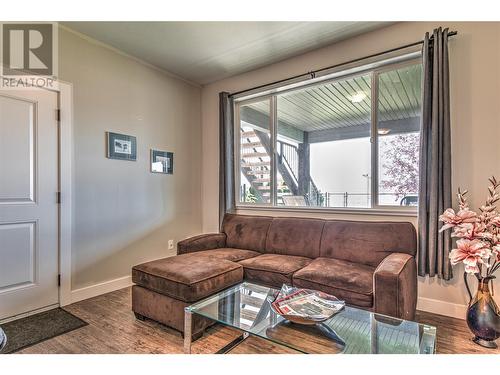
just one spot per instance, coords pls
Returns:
(204, 52)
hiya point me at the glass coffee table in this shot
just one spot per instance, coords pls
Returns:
(247, 307)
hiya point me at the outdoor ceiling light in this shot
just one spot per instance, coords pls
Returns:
(383, 131)
(358, 97)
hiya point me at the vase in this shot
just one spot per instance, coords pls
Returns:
(483, 315)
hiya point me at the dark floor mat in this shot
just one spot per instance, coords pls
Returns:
(36, 328)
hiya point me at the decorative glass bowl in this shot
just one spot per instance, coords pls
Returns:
(305, 306)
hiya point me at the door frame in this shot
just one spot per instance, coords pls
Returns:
(65, 158)
(65, 91)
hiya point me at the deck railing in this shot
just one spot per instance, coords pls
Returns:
(349, 199)
(289, 156)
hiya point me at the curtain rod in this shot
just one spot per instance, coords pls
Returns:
(314, 72)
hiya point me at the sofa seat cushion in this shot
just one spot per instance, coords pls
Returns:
(228, 253)
(351, 282)
(273, 269)
(187, 277)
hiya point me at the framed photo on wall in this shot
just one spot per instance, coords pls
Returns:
(162, 162)
(121, 146)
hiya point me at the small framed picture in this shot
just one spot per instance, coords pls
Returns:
(162, 162)
(121, 146)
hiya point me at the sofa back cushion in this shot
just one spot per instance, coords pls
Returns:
(295, 236)
(246, 231)
(367, 242)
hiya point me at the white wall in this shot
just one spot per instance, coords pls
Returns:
(123, 213)
(475, 116)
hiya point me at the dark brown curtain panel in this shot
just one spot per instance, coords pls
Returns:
(227, 198)
(435, 158)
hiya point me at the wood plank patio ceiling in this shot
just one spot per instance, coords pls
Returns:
(330, 105)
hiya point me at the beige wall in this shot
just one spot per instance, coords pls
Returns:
(123, 214)
(475, 112)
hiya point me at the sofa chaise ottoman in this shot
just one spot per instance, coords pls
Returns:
(370, 265)
(164, 287)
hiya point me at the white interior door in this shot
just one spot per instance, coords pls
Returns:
(28, 202)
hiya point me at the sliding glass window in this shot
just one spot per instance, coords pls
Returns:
(255, 151)
(398, 135)
(347, 143)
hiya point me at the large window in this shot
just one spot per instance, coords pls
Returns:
(350, 142)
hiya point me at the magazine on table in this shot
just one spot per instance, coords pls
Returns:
(306, 303)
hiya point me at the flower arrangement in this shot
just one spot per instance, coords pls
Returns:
(478, 246)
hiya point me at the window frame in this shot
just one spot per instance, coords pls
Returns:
(375, 208)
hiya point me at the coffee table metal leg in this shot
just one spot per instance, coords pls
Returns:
(3, 339)
(233, 344)
(188, 315)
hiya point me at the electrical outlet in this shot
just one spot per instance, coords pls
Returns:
(170, 244)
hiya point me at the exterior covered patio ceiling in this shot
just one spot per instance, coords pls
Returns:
(342, 109)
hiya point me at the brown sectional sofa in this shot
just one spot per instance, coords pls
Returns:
(370, 265)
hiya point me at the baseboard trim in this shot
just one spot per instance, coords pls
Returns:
(436, 306)
(101, 288)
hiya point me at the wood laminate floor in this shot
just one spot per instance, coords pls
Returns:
(113, 329)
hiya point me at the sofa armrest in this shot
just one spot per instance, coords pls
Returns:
(395, 286)
(201, 242)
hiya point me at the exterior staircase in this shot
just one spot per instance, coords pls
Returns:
(255, 153)
(256, 166)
